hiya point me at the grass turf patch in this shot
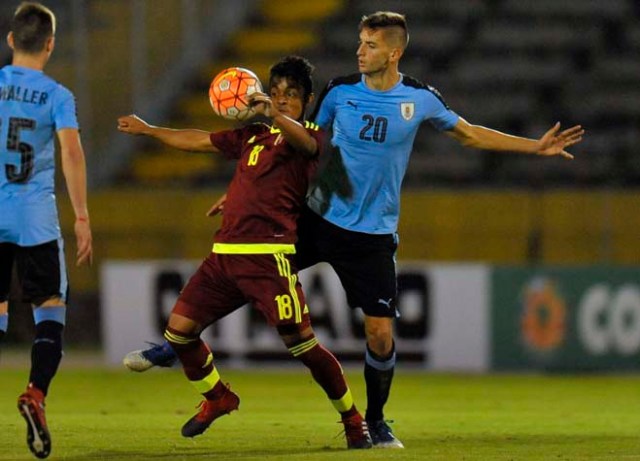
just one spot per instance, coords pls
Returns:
(102, 414)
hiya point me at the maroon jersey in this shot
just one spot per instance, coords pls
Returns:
(269, 186)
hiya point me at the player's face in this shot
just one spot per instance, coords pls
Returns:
(373, 52)
(287, 97)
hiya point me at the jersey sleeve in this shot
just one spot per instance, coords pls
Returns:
(317, 133)
(229, 142)
(326, 109)
(438, 114)
(65, 114)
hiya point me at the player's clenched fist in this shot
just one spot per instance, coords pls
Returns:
(132, 124)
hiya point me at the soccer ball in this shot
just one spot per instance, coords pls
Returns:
(229, 90)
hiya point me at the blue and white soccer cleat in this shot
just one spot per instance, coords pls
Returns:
(382, 435)
(158, 355)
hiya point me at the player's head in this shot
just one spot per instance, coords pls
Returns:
(33, 28)
(291, 86)
(383, 38)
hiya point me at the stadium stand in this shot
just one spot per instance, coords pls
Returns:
(508, 64)
(277, 28)
(518, 66)
(514, 65)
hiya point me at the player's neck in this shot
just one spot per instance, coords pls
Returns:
(382, 81)
(30, 61)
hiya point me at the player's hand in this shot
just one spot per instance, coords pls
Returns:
(218, 207)
(132, 124)
(554, 142)
(84, 242)
(261, 103)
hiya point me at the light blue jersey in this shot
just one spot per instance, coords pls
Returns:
(373, 132)
(33, 107)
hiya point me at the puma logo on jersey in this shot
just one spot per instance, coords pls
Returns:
(385, 303)
(352, 104)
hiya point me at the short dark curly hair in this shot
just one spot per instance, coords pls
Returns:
(296, 69)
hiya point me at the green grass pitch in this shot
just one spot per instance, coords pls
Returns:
(111, 414)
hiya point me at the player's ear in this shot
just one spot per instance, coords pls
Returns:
(10, 40)
(49, 44)
(310, 99)
(396, 54)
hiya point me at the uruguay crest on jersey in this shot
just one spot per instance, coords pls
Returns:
(407, 109)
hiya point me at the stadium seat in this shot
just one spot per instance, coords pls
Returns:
(632, 34)
(416, 11)
(508, 70)
(505, 34)
(434, 39)
(603, 102)
(578, 10)
(493, 109)
(617, 69)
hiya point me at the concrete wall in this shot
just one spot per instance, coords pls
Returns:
(503, 227)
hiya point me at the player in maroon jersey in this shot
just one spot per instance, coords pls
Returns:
(251, 259)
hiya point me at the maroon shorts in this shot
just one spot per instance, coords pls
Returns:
(224, 282)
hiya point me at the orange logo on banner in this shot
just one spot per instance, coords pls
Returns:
(544, 317)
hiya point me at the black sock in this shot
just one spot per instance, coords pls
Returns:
(378, 375)
(1, 336)
(46, 354)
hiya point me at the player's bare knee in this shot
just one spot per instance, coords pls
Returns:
(380, 342)
(381, 346)
(4, 307)
(379, 333)
(55, 301)
(183, 324)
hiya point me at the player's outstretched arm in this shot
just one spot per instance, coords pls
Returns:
(188, 139)
(553, 142)
(75, 174)
(293, 131)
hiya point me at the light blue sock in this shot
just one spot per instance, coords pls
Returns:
(4, 323)
(55, 314)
